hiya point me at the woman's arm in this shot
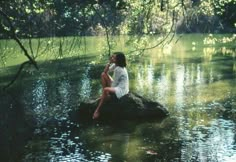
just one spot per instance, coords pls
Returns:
(107, 67)
(110, 65)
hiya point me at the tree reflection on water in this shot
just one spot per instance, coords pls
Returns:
(196, 85)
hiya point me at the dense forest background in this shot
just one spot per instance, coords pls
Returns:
(47, 18)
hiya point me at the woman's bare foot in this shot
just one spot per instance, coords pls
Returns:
(96, 114)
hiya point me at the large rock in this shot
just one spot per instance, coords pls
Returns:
(130, 106)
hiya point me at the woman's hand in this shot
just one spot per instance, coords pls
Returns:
(112, 59)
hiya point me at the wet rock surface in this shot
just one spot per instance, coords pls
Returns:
(130, 107)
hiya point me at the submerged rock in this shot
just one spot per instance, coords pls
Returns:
(129, 107)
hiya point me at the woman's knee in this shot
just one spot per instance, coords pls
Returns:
(106, 90)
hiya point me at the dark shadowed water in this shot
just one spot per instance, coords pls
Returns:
(194, 79)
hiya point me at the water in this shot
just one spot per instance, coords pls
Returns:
(194, 78)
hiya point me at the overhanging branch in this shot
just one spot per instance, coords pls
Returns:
(17, 74)
(14, 36)
(106, 29)
(12, 33)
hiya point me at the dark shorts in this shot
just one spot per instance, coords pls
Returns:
(113, 96)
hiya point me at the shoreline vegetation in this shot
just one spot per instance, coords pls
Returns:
(40, 19)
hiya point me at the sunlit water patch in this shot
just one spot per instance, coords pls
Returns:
(63, 145)
(215, 142)
(85, 91)
(39, 100)
(66, 148)
(196, 83)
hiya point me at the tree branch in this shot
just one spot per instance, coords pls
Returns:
(106, 30)
(17, 74)
(165, 39)
(14, 36)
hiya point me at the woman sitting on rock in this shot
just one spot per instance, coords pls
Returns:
(117, 86)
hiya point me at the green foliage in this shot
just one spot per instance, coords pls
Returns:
(225, 9)
(45, 18)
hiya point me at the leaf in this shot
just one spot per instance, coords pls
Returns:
(151, 152)
(11, 18)
(27, 10)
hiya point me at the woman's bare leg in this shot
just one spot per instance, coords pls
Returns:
(106, 80)
(105, 95)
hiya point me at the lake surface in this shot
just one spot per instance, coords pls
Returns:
(194, 77)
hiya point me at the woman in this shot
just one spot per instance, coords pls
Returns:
(117, 86)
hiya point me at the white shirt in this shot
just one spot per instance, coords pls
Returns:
(120, 80)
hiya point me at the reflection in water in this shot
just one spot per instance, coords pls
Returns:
(203, 137)
(145, 79)
(50, 100)
(151, 86)
(194, 87)
(64, 146)
(214, 143)
(180, 87)
(208, 53)
(85, 91)
(163, 85)
(40, 102)
(64, 91)
(150, 75)
(67, 148)
(199, 79)
(211, 78)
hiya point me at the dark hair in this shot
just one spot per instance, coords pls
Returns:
(120, 59)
